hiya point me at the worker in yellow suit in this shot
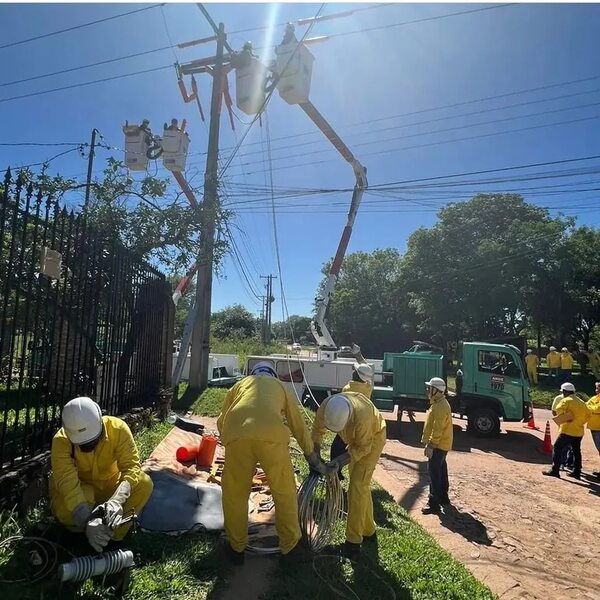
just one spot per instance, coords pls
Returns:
(437, 438)
(570, 431)
(553, 361)
(566, 364)
(362, 429)
(594, 363)
(593, 423)
(532, 362)
(96, 478)
(255, 422)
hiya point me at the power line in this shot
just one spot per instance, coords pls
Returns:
(90, 23)
(86, 83)
(43, 144)
(47, 160)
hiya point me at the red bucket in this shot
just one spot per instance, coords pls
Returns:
(187, 453)
(208, 447)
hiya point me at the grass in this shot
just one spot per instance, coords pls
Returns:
(547, 389)
(405, 559)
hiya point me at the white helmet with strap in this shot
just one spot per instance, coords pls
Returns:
(364, 372)
(338, 410)
(82, 420)
(263, 369)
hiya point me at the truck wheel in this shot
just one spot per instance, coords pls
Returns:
(484, 422)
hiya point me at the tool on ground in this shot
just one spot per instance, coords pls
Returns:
(187, 453)
(546, 447)
(320, 509)
(84, 567)
(186, 424)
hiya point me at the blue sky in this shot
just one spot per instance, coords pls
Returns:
(361, 82)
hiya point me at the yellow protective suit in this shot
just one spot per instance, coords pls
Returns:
(532, 362)
(595, 364)
(581, 413)
(255, 422)
(360, 387)
(93, 477)
(566, 361)
(553, 360)
(438, 431)
(593, 405)
(364, 435)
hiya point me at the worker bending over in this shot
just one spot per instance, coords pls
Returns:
(570, 431)
(437, 438)
(362, 429)
(532, 362)
(96, 478)
(255, 422)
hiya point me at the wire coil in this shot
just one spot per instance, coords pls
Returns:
(320, 509)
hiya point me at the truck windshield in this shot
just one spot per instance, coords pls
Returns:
(500, 363)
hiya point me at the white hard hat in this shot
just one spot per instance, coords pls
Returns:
(567, 387)
(438, 383)
(552, 349)
(337, 412)
(529, 350)
(364, 371)
(82, 420)
(263, 369)
(563, 349)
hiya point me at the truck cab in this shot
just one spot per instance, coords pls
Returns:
(493, 385)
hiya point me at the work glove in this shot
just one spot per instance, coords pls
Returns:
(113, 507)
(316, 463)
(338, 463)
(97, 533)
(428, 452)
(81, 515)
(355, 349)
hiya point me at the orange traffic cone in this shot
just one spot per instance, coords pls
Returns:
(531, 423)
(546, 447)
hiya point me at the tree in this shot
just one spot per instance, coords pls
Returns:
(475, 273)
(233, 322)
(368, 306)
(300, 326)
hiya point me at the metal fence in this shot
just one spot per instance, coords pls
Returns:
(79, 315)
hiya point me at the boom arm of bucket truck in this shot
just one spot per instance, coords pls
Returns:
(318, 326)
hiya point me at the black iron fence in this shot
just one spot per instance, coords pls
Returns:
(79, 315)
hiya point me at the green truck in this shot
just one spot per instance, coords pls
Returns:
(493, 385)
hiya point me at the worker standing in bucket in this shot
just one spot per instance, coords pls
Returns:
(571, 430)
(532, 362)
(255, 422)
(361, 382)
(437, 438)
(362, 429)
(96, 478)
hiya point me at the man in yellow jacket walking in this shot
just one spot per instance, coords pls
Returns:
(363, 431)
(96, 477)
(593, 424)
(566, 364)
(437, 438)
(553, 362)
(570, 431)
(255, 423)
(532, 362)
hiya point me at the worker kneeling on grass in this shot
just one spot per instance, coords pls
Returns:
(255, 422)
(96, 478)
(362, 429)
(437, 436)
(575, 415)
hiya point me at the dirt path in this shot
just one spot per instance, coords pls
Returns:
(524, 535)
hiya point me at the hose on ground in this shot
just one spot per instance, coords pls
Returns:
(320, 509)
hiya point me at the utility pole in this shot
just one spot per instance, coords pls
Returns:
(89, 171)
(210, 205)
(269, 299)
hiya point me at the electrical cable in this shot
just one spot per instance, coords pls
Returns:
(85, 83)
(49, 160)
(320, 509)
(47, 35)
(173, 46)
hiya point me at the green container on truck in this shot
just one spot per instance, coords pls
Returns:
(493, 386)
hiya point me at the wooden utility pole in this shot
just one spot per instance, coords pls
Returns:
(269, 299)
(89, 171)
(210, 205)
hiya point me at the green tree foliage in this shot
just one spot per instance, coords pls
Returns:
(300, 326)
(369, 306)
(233, 322)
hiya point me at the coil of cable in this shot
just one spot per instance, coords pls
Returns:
(320, 509)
